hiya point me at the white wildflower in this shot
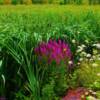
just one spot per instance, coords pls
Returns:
(97, 45)
(79, 49)
(83, 46)
(78, 46)
(78, 32)
(94, 57)
(88, 55)
(98, 74)
(70, 62)
(81, 59)
(73, 41)
(78, 63)
(94, 44)
(90, 91)
(98, 58)
(94, 93)
(91, 59)
(95, 65)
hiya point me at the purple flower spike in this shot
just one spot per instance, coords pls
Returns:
(54, 51)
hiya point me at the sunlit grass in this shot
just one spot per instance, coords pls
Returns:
(49, 8)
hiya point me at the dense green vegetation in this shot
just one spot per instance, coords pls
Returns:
(22, 75)
(50, 1)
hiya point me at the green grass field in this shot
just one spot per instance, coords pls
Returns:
(43, 15)
(51, 8)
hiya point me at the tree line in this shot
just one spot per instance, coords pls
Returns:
(90, 2)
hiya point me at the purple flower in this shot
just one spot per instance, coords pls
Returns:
(51, 51)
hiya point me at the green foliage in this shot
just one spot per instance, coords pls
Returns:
(17, 2)
(89, 74)
(1, 2)
(48, 91)
(90, 2)
(72, 80)
(79, 2)
(37, 1)
(20, 33)
(14, 1)
(50, 1)
(52, 87)
(98, 94)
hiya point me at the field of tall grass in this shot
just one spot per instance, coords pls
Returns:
(49, 7)
(26, 32)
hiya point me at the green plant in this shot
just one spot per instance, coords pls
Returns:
(72, 80)
(89, 74)
(52, 87)
(23, 57)
(1, 2)
(98, 94)
(22, 30)
(48, 91)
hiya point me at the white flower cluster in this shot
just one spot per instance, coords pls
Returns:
(82, 52)
(97, 45)
(80, 48)
(84, 56)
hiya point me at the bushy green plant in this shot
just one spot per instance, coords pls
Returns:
(89, 74)
(14, 1)
(72, 80)
(48, 91)
(52, 87)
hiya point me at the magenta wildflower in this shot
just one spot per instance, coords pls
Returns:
(54, 51)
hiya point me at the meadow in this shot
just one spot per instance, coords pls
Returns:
(28, 33)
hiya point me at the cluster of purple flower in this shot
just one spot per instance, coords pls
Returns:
(54, 51)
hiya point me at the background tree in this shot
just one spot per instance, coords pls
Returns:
(94, 2)
(37, 1)
(17, 1)
(27, 2)
(7, 1)
(79, 2)
(14, 1)
(98, 1)
(50, 1)
(90, 2)
(66, 1)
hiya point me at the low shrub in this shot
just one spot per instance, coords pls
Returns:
(89, 72)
